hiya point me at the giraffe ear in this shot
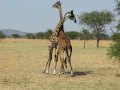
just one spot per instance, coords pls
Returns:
(59, 2)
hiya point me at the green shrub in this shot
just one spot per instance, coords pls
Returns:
(114, 51)
(116, 37)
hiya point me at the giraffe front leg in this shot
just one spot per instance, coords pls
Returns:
(50, 50)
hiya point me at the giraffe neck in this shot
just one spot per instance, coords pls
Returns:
(61, 17)
(59, 26)
(60, 12)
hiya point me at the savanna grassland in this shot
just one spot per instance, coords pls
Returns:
(22, 62)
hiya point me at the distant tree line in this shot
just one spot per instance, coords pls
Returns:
(2, 35)
(84, 34)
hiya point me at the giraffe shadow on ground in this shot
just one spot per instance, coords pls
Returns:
(80, 73)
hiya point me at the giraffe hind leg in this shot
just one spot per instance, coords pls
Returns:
(46, 66)
(69, 61)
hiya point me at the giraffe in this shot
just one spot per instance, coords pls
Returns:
(53, 41)
(62, 35)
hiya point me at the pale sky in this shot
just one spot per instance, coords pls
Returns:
(38, 15)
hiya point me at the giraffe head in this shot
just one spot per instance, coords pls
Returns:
(57, 5)
(70, 15)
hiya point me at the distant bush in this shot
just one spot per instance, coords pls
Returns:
(16, 36)
(73, 34)
(30, 36)
(44, 35)
(104, 36)
(2, 35)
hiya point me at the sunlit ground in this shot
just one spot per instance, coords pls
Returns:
(22, 62)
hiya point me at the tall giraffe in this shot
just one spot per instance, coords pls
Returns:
(53, 41)
(62, 35)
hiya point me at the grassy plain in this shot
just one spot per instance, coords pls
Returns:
(22, 62)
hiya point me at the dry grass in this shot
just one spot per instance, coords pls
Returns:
(22, 62)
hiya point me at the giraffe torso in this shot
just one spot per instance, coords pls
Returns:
(63, 40)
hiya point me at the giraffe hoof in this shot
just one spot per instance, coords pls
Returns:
(63, 72)
(54, 72)
(43, 72)
(47, 72)
(59, 74)
(72, 74)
